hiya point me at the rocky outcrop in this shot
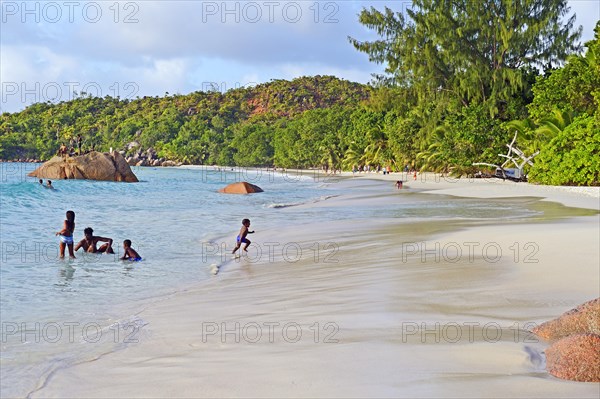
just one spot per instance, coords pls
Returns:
(583, 319)
(241, 188)
(92, 166)
(575, 358)
(574, 352)
(146, 158)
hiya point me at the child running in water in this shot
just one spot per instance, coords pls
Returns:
(66, 235)
(130, 253)
(241, 238)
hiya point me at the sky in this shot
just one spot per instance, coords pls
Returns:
(51, 49)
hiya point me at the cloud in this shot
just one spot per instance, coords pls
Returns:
(179, 46)
(256, 32)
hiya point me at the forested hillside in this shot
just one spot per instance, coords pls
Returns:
(235, 127)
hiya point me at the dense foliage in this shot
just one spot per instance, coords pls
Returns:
(573, 156)
(470, 51)
(565, 116)
(236, 127)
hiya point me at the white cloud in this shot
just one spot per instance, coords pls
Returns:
(178, 46)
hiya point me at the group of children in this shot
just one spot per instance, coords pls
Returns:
(90, 242)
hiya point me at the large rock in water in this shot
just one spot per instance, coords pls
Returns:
(241, 188)
(92, 166)
(583, 319)
(575, 358)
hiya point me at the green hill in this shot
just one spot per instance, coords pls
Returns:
(199, 127)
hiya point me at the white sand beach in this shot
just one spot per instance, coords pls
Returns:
(376, 309)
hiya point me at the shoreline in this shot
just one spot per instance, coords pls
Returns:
(378, 304)
(576, 196)
(425, 180)
(435, 181)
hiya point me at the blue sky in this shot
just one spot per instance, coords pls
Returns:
(48, 49)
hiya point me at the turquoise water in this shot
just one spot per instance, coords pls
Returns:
(175, 219)
(56, 312)
(172, 216)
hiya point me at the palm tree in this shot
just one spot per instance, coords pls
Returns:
(330, 157)
(533, 137)
(434, 157)
(431, 159)
(352, 157)
(378, 153)
(555, 123)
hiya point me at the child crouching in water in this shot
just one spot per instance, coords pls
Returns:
(130, 253)
(241, 238)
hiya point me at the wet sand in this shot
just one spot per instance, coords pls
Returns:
(376, 309)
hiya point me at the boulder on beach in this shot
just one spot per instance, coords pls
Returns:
(575, 358)
(92, 166)
(583, 319)
(241, 188)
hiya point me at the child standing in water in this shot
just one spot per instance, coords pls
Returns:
(241, 238)
(66, 235)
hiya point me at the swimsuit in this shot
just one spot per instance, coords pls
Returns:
(245, 240)
(135, 259)
(66, 239)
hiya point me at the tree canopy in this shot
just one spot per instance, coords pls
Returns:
(469, 50)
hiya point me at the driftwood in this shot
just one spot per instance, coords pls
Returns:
(513, 154)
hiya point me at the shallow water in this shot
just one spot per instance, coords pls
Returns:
(59, 312)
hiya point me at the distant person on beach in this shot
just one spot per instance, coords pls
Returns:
(66, 235)
(399, 184)
(241, 238)
(79, 141)
(415, 175)
(90, 242)
(130, 253)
